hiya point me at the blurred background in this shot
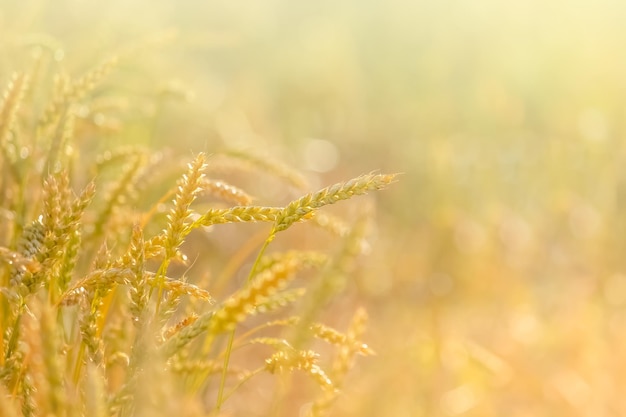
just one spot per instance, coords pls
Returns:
(496, 282)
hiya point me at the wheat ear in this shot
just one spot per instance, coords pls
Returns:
(298, 209)
(226, 192)
(12, 99)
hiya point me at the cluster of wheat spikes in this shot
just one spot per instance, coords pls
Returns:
(94, 320)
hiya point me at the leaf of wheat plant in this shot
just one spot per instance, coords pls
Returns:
(96, 317)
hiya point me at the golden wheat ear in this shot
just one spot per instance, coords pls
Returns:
(249, 161)
(177, 229)
(189, 186)
(332, 278)
(19, 264)
(299, 209)
(118, 194)
(61, 137)
(348, 340)
(71, 92)
(243, 303)
(289, 359)
(11, 101)
(139, 291)
(226, 192)
(349, 346)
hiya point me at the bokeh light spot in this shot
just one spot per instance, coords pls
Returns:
(320, 155)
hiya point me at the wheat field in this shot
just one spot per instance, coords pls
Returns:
(356, 208)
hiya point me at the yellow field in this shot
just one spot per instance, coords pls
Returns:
(492, 271)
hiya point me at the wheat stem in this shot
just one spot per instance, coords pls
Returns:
(220, 393)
